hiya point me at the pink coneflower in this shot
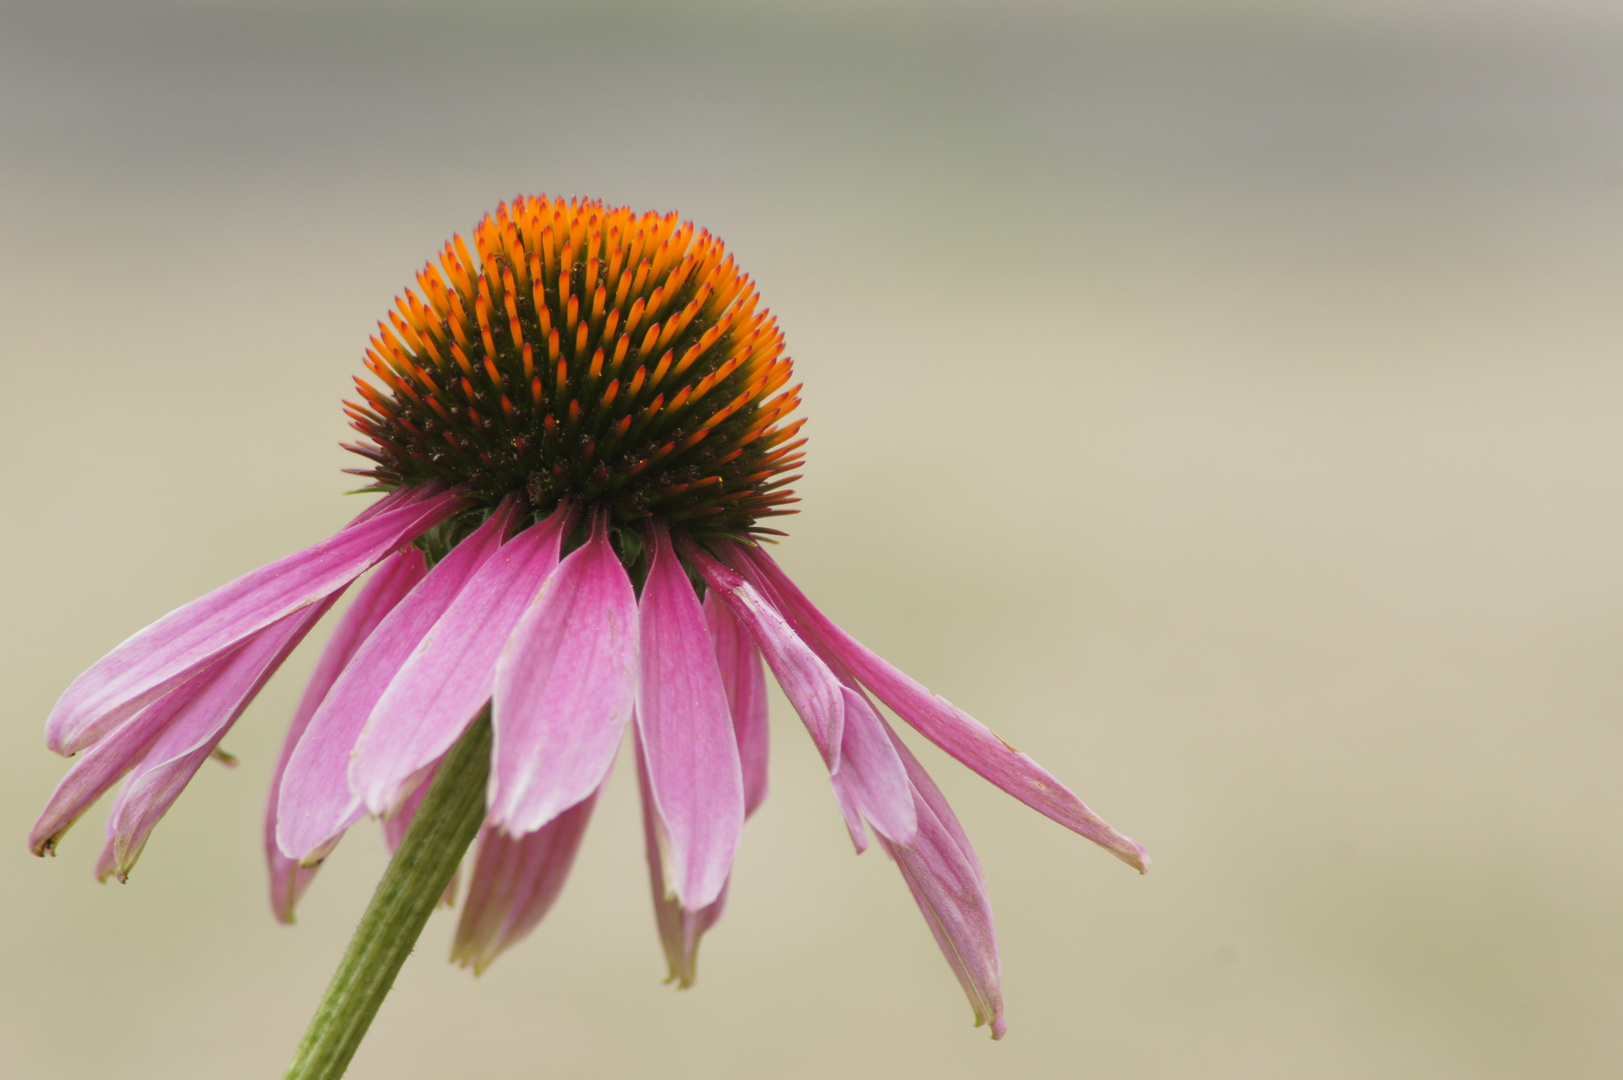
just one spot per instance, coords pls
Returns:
(578, 433)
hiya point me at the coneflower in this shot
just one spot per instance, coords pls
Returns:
(578, 428)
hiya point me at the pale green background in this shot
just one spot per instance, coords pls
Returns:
(1221, 401)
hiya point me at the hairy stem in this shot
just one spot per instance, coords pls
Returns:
(444, 825)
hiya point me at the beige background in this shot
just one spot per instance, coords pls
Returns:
(1222, 401)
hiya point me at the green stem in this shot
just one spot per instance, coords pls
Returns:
(442, 828)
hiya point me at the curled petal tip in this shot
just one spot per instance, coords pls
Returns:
(43, 836)
(106, 867)
(1132, 853)
(467, 957)
(316, 856)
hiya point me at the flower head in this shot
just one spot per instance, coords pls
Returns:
(588, 354)
(577, 433)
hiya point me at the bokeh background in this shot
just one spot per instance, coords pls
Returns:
(1223, 401)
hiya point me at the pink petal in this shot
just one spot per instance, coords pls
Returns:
(563, 689)
(197, 728)
(804, 676)
(515, 882)
(871, 781)
(944, 876)
(937, 719)
(315, 803)
(106, 862)
(745, 682)
(393, 579)
(395, 499)
(450, 675)
(679, 929)
(105, 763)
(685, 729)
(187, 640)
(396, 824)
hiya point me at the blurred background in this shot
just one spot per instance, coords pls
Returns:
(1222, 401)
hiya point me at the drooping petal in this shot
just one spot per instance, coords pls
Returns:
(745, 682)
(685, 729)
(937, 719)
(397, 823)
(944, 875)
(871, 781)
(197, 728)
(107, 861)
(288, 879)
(189, 639)
(393, 579)
(515, 882)
(564, 687)
(398, 497)
(450, 674)
(805, 678)
(315, 802)
(105, 764)
(680, 930)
